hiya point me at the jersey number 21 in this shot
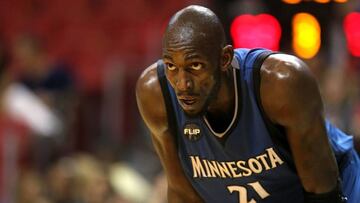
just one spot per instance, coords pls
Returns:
(243, 191)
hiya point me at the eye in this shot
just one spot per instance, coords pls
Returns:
(170, 66)
(196, 66)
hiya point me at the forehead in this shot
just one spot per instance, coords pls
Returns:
(181, 33)
(185, 51)
(186, 41)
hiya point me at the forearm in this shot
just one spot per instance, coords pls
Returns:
(315, 162)
(174, 197)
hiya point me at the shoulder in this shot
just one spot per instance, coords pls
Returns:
(288, 88)
(283, 66)
(150, 100)
(285, 71)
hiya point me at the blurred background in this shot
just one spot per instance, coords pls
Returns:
(70, 131)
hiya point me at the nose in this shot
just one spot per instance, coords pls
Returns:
(184, 81)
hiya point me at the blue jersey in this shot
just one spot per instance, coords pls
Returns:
(254, 162)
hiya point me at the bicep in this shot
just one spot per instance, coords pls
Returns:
(298, 108)
(149, 101)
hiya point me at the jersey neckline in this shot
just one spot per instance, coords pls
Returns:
(237, 105)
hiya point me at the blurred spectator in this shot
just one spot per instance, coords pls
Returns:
(41, 96)
(31, 188)
(91, 183)
(33, 103)
(60, 179)
(81, 178)
(47, 80)
(128, 183)
(338, 100)
(13, 137)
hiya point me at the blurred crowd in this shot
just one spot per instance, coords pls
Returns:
(70, 131)
(55, 140)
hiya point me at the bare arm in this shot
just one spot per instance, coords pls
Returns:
(291, 98)
(153, 111)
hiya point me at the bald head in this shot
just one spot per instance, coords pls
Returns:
(196, 57)
(196, 25)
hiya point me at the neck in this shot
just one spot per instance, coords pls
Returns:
(223, 105)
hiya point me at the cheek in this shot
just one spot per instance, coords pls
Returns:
(207, 85)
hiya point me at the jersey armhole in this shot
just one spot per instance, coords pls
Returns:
(277, 132)
(170, 112)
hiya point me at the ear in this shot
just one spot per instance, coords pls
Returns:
(227, 55)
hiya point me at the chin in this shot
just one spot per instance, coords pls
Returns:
(194, 113)
(191, 114)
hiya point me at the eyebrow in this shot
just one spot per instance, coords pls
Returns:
(187, 56)
(192, 56)
(165, 56)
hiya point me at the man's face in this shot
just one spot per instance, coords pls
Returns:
(194, 75)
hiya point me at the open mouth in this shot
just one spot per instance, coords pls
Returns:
(188, 101)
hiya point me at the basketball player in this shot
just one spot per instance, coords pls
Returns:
(241, 126)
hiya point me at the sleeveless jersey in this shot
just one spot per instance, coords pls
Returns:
(254, 162)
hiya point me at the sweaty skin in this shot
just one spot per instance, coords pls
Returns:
(198, 64)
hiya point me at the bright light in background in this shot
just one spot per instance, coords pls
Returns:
(317, 1)
(306, 35)
(250, 31)
(322, 1)
(352, 32)
(292, 1)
